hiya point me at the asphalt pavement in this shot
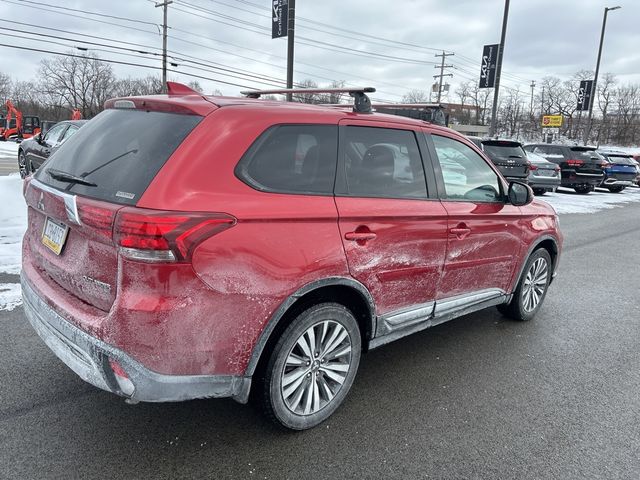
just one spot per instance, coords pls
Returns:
(478, 397)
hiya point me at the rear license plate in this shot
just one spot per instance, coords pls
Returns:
(54, 235)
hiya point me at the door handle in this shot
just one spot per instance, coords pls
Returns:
(461, 231)
(360, 236)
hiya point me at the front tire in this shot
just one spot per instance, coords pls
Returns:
(617, 189)
(532, 288)
(583, 190)
(539, 191)
(312, 367)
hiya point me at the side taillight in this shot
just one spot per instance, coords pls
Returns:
(574, 162)
(605, 165)
(532, 166)
(157, 236)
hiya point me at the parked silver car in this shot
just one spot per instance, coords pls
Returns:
(543, 176)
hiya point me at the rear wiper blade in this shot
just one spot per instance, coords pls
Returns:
(68, 177)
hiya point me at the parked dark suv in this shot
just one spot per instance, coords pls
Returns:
(182, 246)
(507, 155)
(581, 168)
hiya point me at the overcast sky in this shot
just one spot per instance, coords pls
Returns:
(544, 37)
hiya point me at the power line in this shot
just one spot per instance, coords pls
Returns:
(79, 16)
(90, 13)
(215, 80)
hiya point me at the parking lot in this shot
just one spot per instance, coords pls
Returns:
(479, 397)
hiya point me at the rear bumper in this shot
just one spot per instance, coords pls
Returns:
(89, 358)
(615, 182)
(548, 183)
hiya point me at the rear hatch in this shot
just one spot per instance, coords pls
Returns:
(74, 198)
(584, 160)
(622, 166)
(508, 156)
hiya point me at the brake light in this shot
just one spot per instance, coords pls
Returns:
(556, 168)
(575, 163)
(165, 236)
(605, 165)
(531, 166)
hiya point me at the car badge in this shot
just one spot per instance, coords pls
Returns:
(41, 201)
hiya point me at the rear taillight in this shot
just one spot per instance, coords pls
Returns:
(605, 165)
(556, 168)
(99, 218)
(155, 236)
(575, 163)
(532, 166)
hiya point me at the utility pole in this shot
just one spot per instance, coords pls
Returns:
(442, 66)
(496, 88)
(533, 85)
(594, 90)
(291, 26)
(164, 4)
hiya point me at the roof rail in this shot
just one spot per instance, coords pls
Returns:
(361, 102)
(408, 105)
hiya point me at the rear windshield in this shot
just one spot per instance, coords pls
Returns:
(620, 159)
(120, 151)
(583, 154)
(504, 150)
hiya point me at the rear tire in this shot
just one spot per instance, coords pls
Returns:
(539, 191)
(311, 367)
(583, 190)
(617, 189)
(532, 288)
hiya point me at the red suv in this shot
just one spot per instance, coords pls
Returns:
(182, 246)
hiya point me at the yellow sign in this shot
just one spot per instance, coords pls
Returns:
(552, 121)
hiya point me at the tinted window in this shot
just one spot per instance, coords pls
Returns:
(383, 162)
(292, 159)
(503, 150)
(583, 154)
(120, 151)
(466, 174)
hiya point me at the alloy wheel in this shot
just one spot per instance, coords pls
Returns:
(535, 284)
(316, 367)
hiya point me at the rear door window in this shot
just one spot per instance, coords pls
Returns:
(292, 159)
(54, 135)
(383, 162)
(118, 153)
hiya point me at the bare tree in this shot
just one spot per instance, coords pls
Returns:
(127, 87)
(606, 95)
(5, 88)
(77, 82)
(416, 96)
(307, 97)
(195, 85)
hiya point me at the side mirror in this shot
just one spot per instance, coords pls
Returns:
(519, 194)
(39, 138)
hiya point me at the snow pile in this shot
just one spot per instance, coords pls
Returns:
(568, 201)
(13, 223)
(10, 296)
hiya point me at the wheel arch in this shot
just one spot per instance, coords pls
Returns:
(346, 291)
(550, 244)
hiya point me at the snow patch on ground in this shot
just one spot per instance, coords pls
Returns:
(10, 296)
(9, 149)
(13, 223)
(567, 201)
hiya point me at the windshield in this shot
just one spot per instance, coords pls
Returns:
(115, 156)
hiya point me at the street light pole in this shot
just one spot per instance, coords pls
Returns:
(496, 88)
(594, 90)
